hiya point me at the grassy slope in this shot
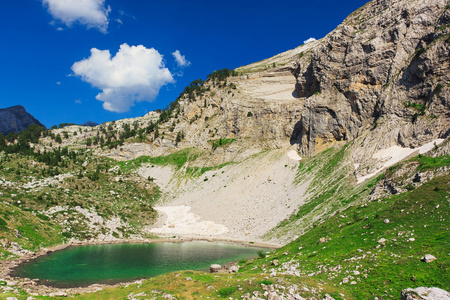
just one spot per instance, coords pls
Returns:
(352, 246)
(332, 189)
(352, 236)
(21, 208)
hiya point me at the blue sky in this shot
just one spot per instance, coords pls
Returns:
(101, 60)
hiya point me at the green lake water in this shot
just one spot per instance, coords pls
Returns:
(85, 265)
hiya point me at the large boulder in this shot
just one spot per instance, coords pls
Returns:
(215, 268)
(428, 258)
(425, 293)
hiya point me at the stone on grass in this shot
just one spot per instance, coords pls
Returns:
(428, 258)
(234, 269)
(215, 268)
(322, 240)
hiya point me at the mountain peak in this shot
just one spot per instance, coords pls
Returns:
(15, 118)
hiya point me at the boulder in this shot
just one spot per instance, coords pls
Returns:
(234, 269)
(425, 293)
(382, 241)
(428, 258)
(215, 268)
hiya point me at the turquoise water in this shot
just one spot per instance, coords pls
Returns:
(85, 265)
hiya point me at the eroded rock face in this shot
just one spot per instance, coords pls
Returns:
(382, 76)
(383, 72)
(14, 119)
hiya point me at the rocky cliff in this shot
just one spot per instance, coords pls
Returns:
(16, 118)
(383, 74)
(381, 79)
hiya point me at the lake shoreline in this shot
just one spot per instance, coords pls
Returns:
(34, 287)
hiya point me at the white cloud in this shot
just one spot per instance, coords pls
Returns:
(91, 13)
(311, 39)
(180, 59)
(78, 101)
(136, 73)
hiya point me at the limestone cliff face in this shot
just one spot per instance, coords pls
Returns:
(382, 76)
(14, 119)
(384, 73)
(381, 79)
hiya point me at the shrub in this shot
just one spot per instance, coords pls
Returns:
(2, 223)
(410, 187)
(227, 291)
(438, 89)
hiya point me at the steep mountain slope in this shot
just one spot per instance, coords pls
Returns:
(16, 118)
(383, 76)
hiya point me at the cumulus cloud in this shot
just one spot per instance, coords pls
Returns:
(91, 13)
(311, 39)
(135, 73)
(180, 59)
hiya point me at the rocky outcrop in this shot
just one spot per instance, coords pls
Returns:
(425, 293)
(383, 76)
(16, 118)
(383, 72)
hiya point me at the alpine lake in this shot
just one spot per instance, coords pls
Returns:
(114, 263)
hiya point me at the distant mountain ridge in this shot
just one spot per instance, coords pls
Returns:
(90, 124)
(15, 118)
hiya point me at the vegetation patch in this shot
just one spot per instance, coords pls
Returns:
(221, 142)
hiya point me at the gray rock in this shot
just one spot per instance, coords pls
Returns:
(215, 268)
(234, 269)
(428, 258)
(322, 240)
(425, 293)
